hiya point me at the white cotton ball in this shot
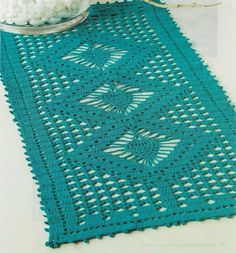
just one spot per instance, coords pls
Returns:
(53, 20)
(20, 22)
(37, 12)
(36, 22)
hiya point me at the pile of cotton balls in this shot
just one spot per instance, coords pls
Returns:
(39, 12)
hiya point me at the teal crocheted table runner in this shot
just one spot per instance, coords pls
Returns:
(124, 126)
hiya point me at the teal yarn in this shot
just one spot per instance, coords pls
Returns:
(124, 126)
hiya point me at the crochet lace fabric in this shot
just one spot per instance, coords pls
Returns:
(124, 126)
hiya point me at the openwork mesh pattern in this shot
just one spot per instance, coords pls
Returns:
(124, 126)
